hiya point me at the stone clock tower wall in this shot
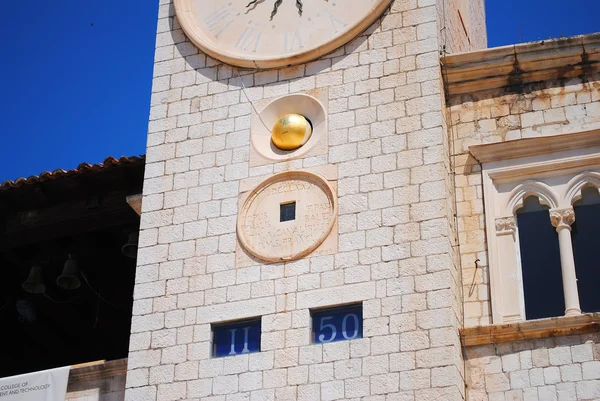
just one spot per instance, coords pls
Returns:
(388, 155)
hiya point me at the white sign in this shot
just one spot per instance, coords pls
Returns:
(46, 385)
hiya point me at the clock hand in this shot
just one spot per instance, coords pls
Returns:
(275, 7)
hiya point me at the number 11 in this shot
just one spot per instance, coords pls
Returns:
(245, 349)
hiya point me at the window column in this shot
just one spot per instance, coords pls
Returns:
(562, 220)
(510, 294)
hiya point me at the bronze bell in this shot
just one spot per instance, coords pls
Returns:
(35, 282)
(69, 279)
(130, 248)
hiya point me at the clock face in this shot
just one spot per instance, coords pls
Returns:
(274, 33)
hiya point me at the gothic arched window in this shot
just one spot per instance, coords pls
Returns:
(542, 215)
(586, 242)
(540, 261)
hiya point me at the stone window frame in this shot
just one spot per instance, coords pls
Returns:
(555, 169)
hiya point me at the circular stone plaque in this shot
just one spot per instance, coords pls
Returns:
(287, 216)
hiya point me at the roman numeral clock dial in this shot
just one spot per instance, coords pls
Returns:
(274, 33)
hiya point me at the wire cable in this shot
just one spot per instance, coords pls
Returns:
(98, 295)
(58, 302)
(237, 72)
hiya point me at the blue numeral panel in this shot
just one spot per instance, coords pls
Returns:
(337, 324)
(236, 338)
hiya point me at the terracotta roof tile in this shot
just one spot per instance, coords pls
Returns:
(60, 173)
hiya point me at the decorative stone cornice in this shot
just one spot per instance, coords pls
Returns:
(562, 218)
(511, 67)
(542, 328)
(505, 225)
(527, 147)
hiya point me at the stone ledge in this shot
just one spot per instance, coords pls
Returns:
(97, 370)
(529, 330)
(526, 147)
(511, 67)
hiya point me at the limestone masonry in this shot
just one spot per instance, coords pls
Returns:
(386, 210)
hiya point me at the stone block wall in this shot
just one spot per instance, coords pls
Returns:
(461, 25)
(477, 27)
(553, 369)
(549, 108)
(560, 368)
(387, 140)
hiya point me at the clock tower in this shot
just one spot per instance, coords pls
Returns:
(297, 237)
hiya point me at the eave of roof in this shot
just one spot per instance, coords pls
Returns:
(511, 67)
(83, 168)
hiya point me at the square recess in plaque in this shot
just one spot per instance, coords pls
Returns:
(235, 338)
(337, 324)
(287, 211)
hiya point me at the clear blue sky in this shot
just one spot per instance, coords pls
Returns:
(76, 77)
(76, 74)
(515, 21)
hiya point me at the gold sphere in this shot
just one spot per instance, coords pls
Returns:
(291, 131)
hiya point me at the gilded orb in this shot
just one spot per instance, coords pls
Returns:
(291, 131)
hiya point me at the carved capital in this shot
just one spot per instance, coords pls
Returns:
(562, 218)
(505, 225)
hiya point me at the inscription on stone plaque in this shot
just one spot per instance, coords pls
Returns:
(287, 216)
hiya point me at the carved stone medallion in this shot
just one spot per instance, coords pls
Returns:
(287, 216)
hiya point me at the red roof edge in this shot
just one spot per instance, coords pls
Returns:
(83, 168)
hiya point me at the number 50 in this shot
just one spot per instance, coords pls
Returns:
(329, 323)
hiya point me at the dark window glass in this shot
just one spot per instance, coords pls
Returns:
(540, 261)
(287, 211)
(236, 338)
(586, 241)
(337, 324)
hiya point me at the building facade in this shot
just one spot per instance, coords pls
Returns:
(254, 261)
(525, 122)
